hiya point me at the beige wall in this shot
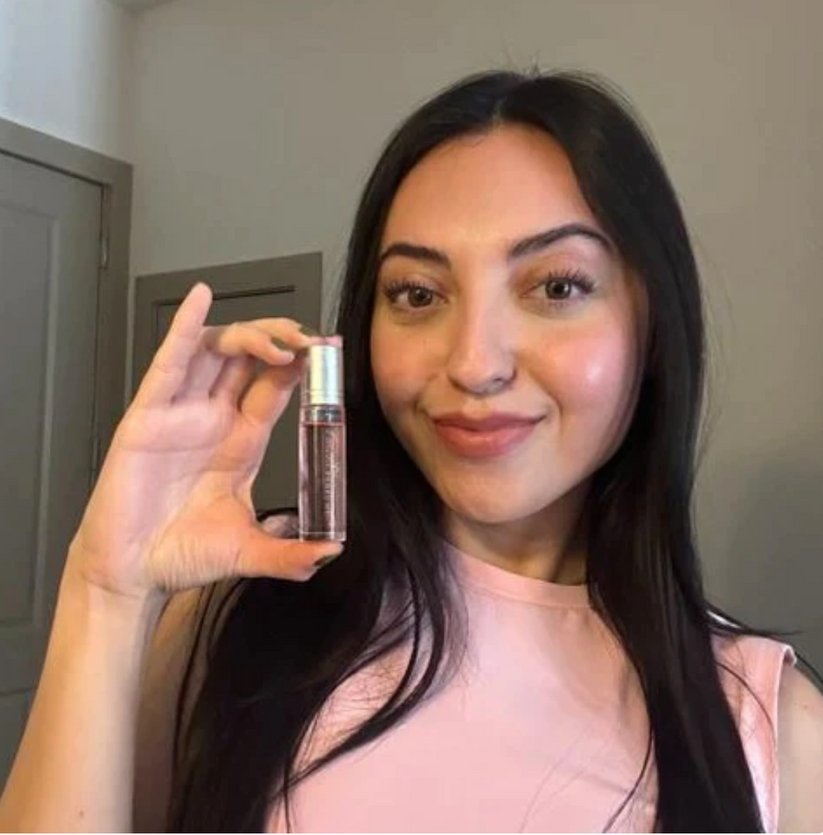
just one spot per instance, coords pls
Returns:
(65, 69)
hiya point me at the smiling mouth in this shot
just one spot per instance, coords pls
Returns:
(483, 443)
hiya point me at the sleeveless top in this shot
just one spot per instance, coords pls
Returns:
(543, 728)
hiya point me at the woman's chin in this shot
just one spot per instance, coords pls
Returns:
(485, 510)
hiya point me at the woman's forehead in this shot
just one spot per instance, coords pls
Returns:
(488, 190)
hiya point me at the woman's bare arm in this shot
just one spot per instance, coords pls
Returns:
(75, 764)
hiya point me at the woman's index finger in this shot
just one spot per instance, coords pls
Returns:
(168, 368)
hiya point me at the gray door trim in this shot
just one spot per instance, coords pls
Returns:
(115, 179)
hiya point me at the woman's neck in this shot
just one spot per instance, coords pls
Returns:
(531, 547)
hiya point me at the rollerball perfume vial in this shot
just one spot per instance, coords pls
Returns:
(322, 445)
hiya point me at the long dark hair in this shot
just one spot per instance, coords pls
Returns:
(275, 650)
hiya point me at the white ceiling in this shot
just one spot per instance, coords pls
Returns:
(137, 5)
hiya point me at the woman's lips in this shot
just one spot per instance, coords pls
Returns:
(471, 443)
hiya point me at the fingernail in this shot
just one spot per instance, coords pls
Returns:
(324, 561)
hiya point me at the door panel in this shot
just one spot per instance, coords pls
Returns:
(49, 256)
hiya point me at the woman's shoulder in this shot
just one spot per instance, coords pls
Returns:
(779, 713)
(752, 656)
(751, 668)
(800, 753)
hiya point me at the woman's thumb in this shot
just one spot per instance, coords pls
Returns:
(270, 550)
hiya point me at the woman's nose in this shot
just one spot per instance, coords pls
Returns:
(481, 358)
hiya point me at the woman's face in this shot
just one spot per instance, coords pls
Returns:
(487, 328)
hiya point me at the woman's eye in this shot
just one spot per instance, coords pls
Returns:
(558, 289)
(417, 295)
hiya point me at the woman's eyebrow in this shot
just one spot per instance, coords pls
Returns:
(520, 249)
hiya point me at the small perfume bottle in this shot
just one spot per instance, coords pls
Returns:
(322, 445)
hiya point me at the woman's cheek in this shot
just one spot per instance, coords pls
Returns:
(397, 394)
(395, 372)
(591, 370)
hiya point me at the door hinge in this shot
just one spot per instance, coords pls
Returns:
(104, 252)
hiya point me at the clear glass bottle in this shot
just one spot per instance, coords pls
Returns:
(322, 445)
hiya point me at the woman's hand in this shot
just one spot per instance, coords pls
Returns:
(172, 506)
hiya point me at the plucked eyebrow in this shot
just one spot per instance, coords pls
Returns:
(522, 248)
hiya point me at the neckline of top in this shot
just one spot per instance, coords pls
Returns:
(502, 582)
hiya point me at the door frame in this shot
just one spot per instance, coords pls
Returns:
(115, 180)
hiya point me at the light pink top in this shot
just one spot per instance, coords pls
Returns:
(544, 728)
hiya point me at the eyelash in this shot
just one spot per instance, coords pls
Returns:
(577, 279)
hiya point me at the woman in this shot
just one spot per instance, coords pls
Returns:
(516, 636)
